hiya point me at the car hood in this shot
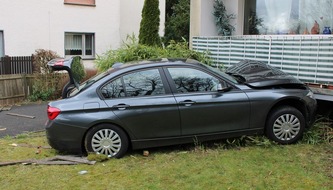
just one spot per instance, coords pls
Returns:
(258, 74)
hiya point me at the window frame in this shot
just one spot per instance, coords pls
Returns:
(2, 44)
(80, 2)
(83, 42)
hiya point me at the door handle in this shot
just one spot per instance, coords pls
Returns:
(121, 106)
(187, 102)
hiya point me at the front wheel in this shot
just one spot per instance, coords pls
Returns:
(107, 139)
(285, 125)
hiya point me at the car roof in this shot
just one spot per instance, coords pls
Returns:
(152, 62)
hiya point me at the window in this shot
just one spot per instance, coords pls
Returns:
(113, 89)
(80, 2)
(192, 80)
(141, 83)
(144, 83)
(2, 49)
(287, 16)
(81, 44)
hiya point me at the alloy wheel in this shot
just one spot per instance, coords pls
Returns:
(286, 127)
(106, 141)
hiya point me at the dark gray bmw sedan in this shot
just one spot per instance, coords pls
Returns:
(173, 101)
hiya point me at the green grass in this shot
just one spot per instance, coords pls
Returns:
(213, 165)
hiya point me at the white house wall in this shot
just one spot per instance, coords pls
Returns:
(33, 24)
(28, 25)
(202, 18)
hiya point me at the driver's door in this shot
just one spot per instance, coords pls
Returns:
(204, 108)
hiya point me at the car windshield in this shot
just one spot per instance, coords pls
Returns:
(216, 70)
(88, 83)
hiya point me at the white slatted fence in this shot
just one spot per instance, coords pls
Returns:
(307, 57)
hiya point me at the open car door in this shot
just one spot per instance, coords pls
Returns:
(60, 64)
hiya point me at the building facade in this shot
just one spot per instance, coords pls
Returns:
(292, 35)
(69, 27)
(265, 17)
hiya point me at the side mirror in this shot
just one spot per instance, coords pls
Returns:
(223, 88)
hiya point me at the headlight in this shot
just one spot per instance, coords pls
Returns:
(310, 94)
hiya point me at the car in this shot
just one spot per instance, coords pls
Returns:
(165, 102)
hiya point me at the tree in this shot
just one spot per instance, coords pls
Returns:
(177, 25)
(150, 22)
(222, 19)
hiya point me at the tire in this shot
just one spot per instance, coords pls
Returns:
(285, 125)
(107, 139)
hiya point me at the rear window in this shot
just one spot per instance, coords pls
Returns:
(88, 83)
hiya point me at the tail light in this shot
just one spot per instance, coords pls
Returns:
(52, 112)
(59, 62)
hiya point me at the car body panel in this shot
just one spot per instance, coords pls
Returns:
(147, 118)
(259, 75)
(218, 112)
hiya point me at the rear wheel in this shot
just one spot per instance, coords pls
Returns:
(285, 125)
(107, 139)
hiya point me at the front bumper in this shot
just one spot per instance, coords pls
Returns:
(311, 111)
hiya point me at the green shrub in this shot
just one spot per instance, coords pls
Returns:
(177, 23)
(78, 69)
(47, 86)
(133, 51)
(181, 50)
(41, 89)
(150, 24)
(38, 93)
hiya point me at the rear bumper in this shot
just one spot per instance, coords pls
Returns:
(67, 139)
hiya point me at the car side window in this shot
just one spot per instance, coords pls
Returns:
(144, 83)
(113, 89)
(140, 83)
(193, 80)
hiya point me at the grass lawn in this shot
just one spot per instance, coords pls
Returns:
(203, 166)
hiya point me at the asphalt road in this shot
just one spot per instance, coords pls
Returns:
(24, 118)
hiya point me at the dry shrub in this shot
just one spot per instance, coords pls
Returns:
(89, 73)
(41, 58)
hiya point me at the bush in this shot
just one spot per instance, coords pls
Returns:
(47, 86)
(89, 73)
(150, 24)
(41, 93)
(177, 24)
(41, 58)
(133, 51)
(78, 69)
